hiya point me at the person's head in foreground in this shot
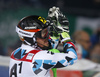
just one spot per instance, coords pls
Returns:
(33, 30)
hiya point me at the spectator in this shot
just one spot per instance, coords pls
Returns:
(83, 43)
(95, 38)
(95, 53)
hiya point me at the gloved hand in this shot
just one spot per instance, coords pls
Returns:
(53, 12)
(52, 29)
(59, 19)
(65, 37)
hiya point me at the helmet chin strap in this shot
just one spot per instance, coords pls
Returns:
(44, 47)
(27, 42)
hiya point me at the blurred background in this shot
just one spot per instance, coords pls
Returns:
(84, 18)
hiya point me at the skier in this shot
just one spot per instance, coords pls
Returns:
(35, 57)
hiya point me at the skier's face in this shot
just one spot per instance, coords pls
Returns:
(43, 42)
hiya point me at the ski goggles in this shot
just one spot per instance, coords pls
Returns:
(43, 34)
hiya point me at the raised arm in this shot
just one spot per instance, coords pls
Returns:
(60, 30)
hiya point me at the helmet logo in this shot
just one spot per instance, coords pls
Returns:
(42, 19)
(24, 33)
(30, 27)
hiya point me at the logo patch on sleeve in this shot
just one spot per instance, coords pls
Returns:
(29, 56)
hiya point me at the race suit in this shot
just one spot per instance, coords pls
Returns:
(28, 61)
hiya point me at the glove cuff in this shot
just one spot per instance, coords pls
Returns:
(65, 37)
(65, 40)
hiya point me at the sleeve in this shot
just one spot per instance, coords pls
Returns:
(58, 60)
(54, 42)
(69, 56)
(69, 48)
(47, 59)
